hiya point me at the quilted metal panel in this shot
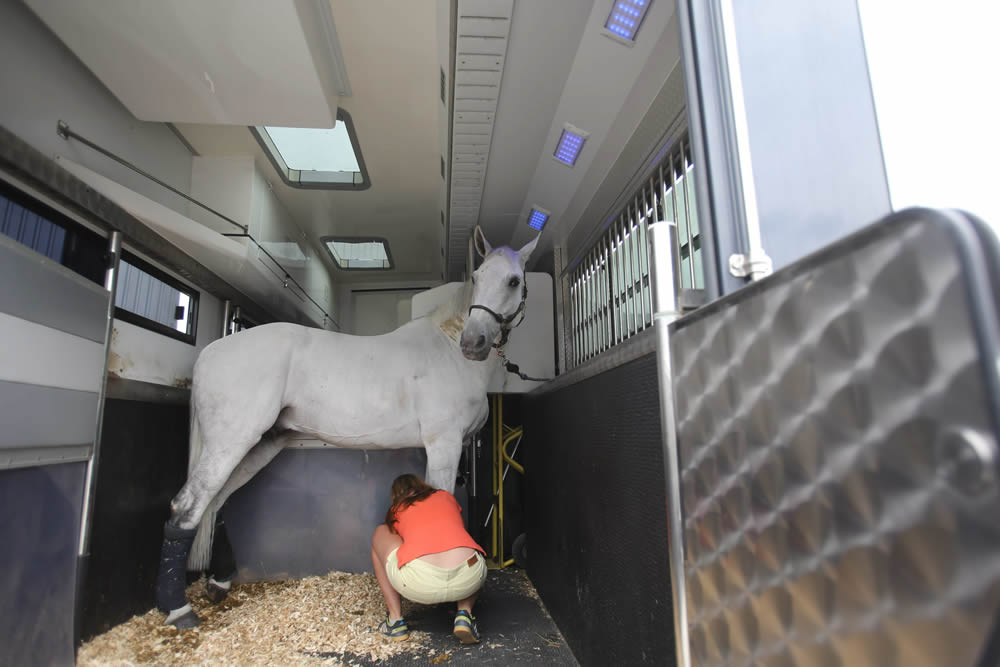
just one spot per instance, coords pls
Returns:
(828, 423)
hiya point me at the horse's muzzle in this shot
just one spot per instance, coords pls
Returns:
(475, 345)
(477, 351)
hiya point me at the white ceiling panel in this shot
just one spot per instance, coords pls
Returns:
(482, 32)
(392, 53)
(233, 62)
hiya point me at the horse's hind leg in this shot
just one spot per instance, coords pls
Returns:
(222, 567)
(207, 478)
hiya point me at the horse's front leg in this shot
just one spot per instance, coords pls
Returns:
(443, 454)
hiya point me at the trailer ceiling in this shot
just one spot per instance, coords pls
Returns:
(558, 68)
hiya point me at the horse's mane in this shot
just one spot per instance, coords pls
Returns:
(450, 316)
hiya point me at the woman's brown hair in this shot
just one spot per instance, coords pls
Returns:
(406, 490)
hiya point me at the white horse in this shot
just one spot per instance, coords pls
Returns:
(422, 385)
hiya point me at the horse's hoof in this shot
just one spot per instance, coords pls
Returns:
(183, 618)
(215, 593)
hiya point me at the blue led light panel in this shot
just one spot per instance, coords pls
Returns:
(626, 17)
(537, 219)
(568, 148)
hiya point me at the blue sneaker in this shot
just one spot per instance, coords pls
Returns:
(465, 628)
(397, 631)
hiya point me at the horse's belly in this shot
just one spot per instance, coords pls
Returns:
(387, 434)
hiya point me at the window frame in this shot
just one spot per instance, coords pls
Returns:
(324, 240)
(285, 173)
(152, 325)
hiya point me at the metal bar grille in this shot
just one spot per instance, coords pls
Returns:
(610, 293)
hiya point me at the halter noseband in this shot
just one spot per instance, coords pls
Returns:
(504, 322)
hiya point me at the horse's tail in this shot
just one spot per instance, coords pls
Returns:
(201, 549)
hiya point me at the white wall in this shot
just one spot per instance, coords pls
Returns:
(380, 312)
(42, 82)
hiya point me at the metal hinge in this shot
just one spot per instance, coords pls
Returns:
(753, 266)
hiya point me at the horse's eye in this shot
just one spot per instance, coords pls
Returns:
(514, 282)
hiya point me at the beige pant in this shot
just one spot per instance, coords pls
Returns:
(429, 584)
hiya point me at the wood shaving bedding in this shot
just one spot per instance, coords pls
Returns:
(299, 622)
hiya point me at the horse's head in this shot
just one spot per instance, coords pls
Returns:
(498, 293)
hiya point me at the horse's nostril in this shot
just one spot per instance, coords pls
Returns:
(481, 341)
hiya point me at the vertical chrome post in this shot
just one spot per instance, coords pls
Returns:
(688, 227)
(664, 274)
(575, 293)
(620, 277)
(559, 266)
(602, 251)
(90, 482)
(237, 317)
(588, 296)
(610, 282)
(631, 221)
(640, 231)
(227, 316)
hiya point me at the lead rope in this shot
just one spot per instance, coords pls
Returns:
(513, 368)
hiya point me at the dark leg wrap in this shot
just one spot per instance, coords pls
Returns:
(173, 567)
(223, 565)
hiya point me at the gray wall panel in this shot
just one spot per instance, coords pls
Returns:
(817, 157)
(70, 303)
(325, 502)
(35, 416)
(39, 525)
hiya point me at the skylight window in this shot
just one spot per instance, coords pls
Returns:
(625, 18)
(316, 158)
(537, 218)
(354, 254)
(570, 144)
(312, 149)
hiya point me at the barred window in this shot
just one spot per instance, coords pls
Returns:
(610, 289)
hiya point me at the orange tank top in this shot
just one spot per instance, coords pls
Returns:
(430, 526)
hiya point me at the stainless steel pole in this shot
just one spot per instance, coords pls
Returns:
(227, 316)
(90, 483)
(665, 291)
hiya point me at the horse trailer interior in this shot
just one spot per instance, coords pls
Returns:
(622, 275)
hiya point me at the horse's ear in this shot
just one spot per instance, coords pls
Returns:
(483, 246)
(525, 252)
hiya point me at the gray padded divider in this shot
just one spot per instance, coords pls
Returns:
(837, 444)
(36, 416)
(57, 297)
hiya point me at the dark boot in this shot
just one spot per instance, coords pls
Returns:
(222, 567)
(170, 580)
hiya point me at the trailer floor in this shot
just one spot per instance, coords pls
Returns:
(333, 619)
(514, 629)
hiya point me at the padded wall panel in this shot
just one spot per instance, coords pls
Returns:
(595, 513)
(837, 436)
(144, 451)
(39, 531)
(310, 511)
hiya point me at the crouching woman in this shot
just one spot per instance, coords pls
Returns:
(423, 553)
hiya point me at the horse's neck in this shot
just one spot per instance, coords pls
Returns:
(450, 316)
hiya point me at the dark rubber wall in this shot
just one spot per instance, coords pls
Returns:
(144, 451)
(39, 532)
(595, 514)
